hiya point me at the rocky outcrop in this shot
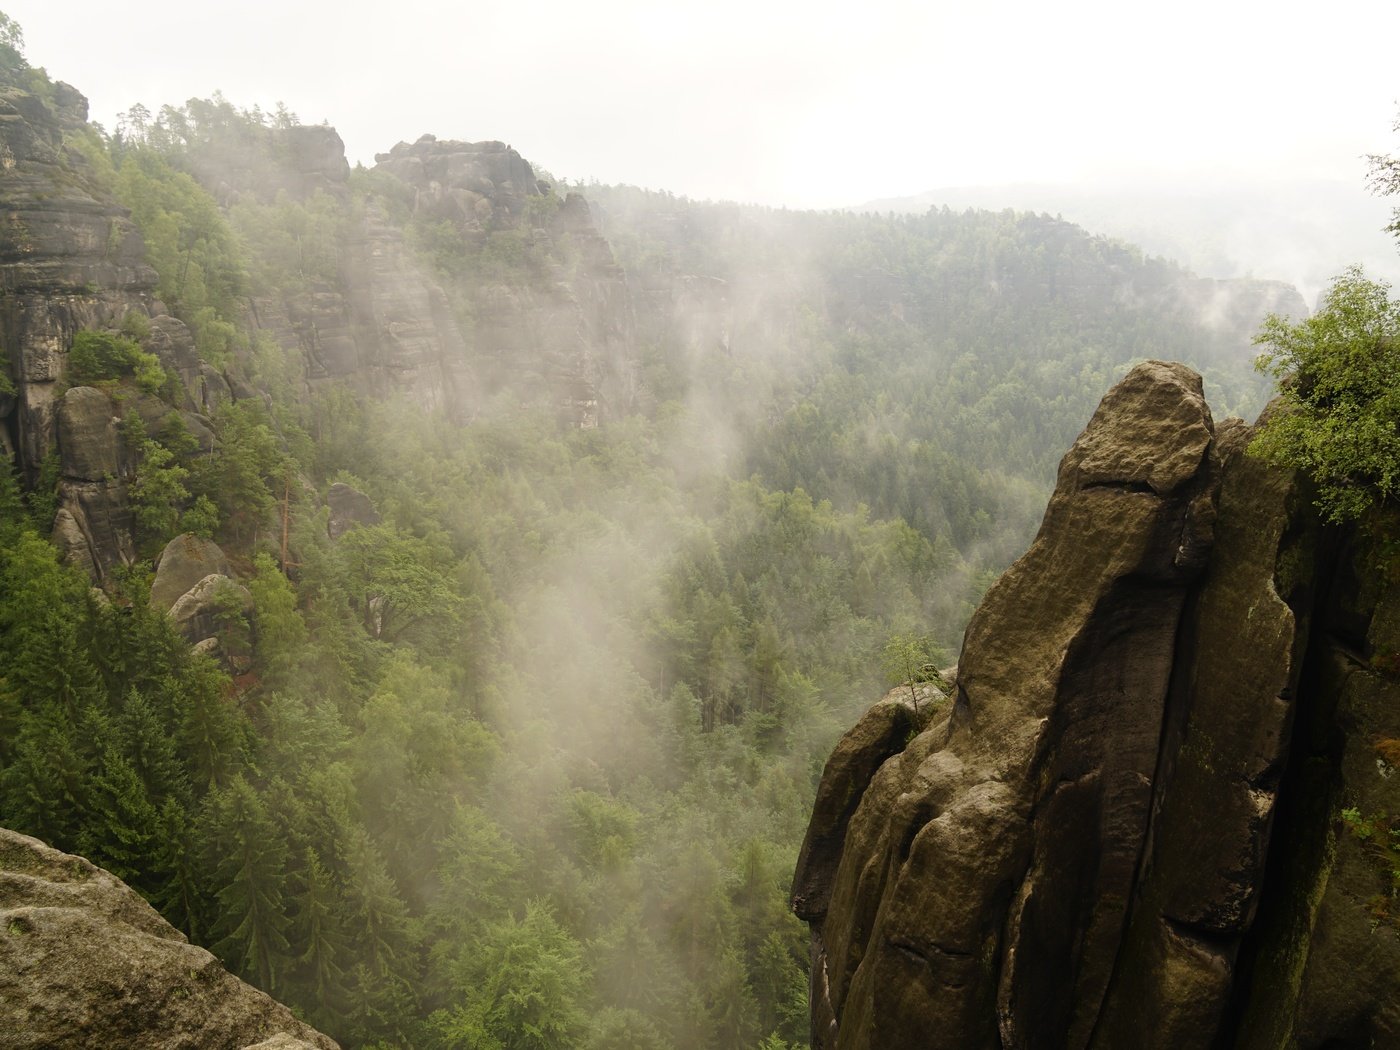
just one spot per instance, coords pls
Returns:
(472, 184)
(185, 561)
(85, 962)
(348, 507)
(197, 612)
(1116, 837)
(69, 258)
(87, 431)
(552, 311)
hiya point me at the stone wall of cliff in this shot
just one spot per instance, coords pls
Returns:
(1150, 816)
(70, 258)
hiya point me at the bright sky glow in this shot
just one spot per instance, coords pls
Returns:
(809, 104)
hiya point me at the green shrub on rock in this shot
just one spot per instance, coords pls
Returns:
(100, 356)
(1340, 387)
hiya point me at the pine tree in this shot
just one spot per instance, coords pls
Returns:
(123, 827)
(316, 930)
(248, 861)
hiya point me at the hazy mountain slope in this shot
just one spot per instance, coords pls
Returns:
(1304, 233)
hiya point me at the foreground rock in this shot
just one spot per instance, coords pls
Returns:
(85, 962)
(1079, 855)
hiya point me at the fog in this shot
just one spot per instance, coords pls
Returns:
(788, 104)
(657, 626)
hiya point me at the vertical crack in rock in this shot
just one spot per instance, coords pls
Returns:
(984, 877)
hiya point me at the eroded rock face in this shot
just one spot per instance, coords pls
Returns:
(1080, 854)
(85, 962)
(70, 258)
(563, 336)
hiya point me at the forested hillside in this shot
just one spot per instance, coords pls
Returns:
(552, 534)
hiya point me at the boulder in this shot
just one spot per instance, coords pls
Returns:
(349, 507)
(86, 963)
(185, 561)
(196, 612)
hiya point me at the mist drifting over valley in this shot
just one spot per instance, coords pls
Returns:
(434, 569)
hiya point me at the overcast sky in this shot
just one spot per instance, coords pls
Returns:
(808, 104)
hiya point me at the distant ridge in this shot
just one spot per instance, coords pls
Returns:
(1302, 232)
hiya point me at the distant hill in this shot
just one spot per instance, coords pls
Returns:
(1300, 232)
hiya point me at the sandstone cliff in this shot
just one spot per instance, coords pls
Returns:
(85, 962)
(69, 259)
(1128, 830)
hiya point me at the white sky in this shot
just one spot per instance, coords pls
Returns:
(808, 104)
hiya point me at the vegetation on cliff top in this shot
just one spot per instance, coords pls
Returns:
(1339, 382)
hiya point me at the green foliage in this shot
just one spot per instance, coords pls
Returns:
(11, 46)
(240, 479)
(188, 241)
(521, 992)
(43, 497)
(200, 518)
(395, 580)
(1341, 396)
(295, 243)
(100, 356)
(907, 660)
(248, 859)
(1385, 179)
(136, 325)
(1380, 836)
(158, 491)
(281, 632)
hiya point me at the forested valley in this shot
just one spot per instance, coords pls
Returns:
(567, 528)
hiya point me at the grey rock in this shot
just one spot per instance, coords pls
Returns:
(185, 561)
(72, 544)
(213, 389)
(978, 894)
(196, 612)
(102, 513)
(1131, 829)
(173, 343)
(349, 507)
(88, 439)
(86, 963)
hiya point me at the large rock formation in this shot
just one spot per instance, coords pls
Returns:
(85, 962)
(552, 311)
(1116, 837)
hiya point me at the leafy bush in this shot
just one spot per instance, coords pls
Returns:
(99, 356)
(1340, 386)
